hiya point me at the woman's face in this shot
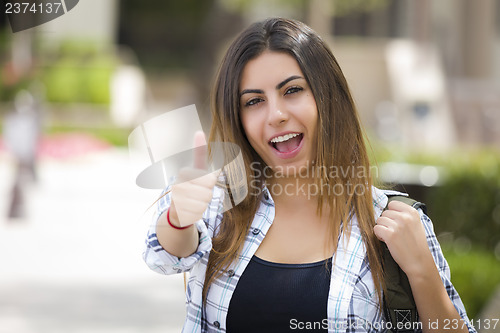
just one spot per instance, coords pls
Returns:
(278, 111)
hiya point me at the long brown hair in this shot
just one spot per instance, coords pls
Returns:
(341, 143)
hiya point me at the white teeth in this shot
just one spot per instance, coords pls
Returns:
(284, 137)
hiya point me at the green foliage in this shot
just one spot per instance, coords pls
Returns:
(79, 74)
(468, 204)
(465, 210)
(385, 152)
(63, 82)
(475, 274)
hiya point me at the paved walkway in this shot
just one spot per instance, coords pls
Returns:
(73, 263)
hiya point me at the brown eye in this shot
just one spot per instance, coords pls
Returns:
(253, 101)
(292, 90)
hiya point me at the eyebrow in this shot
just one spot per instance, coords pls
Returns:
(278, 86)
(291, 78)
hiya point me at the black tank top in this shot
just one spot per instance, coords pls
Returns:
(275, 297)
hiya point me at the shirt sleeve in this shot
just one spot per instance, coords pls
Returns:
(444, 271)
(163, 262)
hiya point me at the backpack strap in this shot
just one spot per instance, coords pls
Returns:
(407, 200)
(399, 306)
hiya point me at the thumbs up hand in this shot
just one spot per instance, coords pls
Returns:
(193, 189)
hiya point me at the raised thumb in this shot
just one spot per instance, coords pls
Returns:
(200, 151)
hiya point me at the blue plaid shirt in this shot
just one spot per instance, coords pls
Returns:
(352, 301)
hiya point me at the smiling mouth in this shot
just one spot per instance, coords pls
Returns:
(287, 142)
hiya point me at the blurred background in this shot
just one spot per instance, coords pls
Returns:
(425, 76)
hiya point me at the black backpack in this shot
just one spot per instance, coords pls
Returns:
(399, 306)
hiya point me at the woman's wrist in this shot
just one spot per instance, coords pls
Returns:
(173, 225)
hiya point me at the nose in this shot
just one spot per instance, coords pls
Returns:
(277, 115)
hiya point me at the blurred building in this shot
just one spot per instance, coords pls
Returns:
(451, 50)
(456, 46)
(425, 73)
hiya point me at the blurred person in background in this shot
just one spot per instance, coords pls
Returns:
(21, 133)
(288, 258)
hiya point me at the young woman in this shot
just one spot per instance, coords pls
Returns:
(302, 251)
